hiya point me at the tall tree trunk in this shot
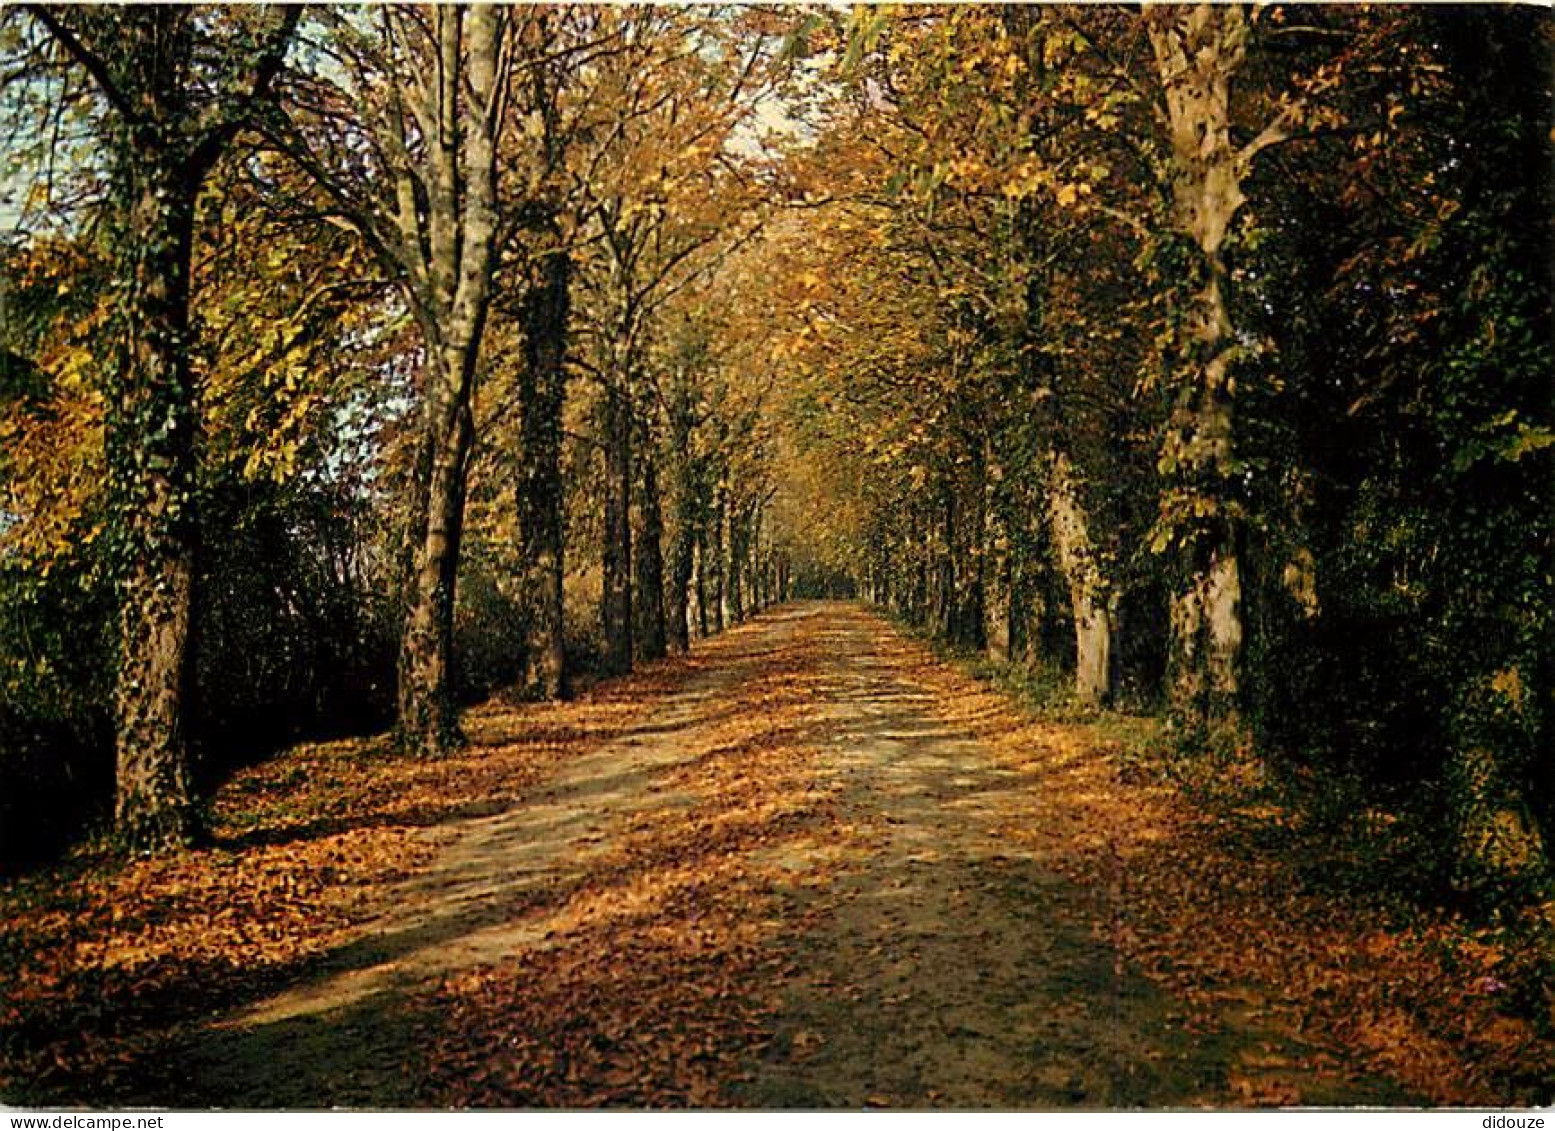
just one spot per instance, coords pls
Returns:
(734, 571)
(678, 623)
(714, 560)
(701, 582)
(1090, 595)
(945, 569)
(152, 421)
(446, 255)
(682, 555)
(972, 581)
(921, 596)
(753, 559)
(764, 577)
(165, 135)
(541, 522)
(616, 608)
(1199, 50)
(427, 713)
(1031, 612)
(997, 602)
(649, 595)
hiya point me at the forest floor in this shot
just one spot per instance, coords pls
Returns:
(807, 866)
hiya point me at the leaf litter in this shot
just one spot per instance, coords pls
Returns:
(659, 974)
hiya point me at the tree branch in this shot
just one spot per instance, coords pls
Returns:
(93, 63)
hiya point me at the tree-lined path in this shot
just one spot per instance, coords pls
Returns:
(786, 872)
(423, 425)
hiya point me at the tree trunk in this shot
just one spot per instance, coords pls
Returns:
(678, 626)
(972, 582)
(152, 421)
(1206, 627)
(701, 582)
(649, 595)
(446, 257)
(734, 571)
(754, 560)
(920, 598)
(165, 132)
(428, 719)
(1028, 619)
(945, 570)
(714, 560)
(541, 522)
(683, 545)
(1090, 596)
(1199, 51)
(996, 580)
(616, 610)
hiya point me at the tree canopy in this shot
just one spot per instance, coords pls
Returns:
(357, 363)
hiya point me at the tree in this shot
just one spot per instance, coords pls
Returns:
(179, 84)
(554, 48)
(1200, 52)
(685, 370)
(541, 525)
(425, 94)
(995, 130)
(665, 201)
(1399, 556)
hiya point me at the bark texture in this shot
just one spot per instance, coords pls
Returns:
(701, 583)
(152, 439)
(649, 594)
(616, 557)
(427, 716)
(734, 571)
(997, 581)
(713, 559)
(1090, 596)
(1199, 51)
(447, 251)
(541, 522)
(685, 517)
(165, 132)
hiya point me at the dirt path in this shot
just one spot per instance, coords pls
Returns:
(958, 971)
(345, 1035)
(807, 843)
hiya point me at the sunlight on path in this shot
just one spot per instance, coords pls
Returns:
(926, 960)
(958, 972)
(341, 1036)
(471, 907)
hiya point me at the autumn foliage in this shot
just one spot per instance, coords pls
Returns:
(404, 411)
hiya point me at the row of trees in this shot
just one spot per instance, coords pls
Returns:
(1201, 352)
(362, 311)
(1205, 349)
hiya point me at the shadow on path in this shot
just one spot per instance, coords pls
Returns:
(949, 968)
(343, 1032)
(960, 972)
